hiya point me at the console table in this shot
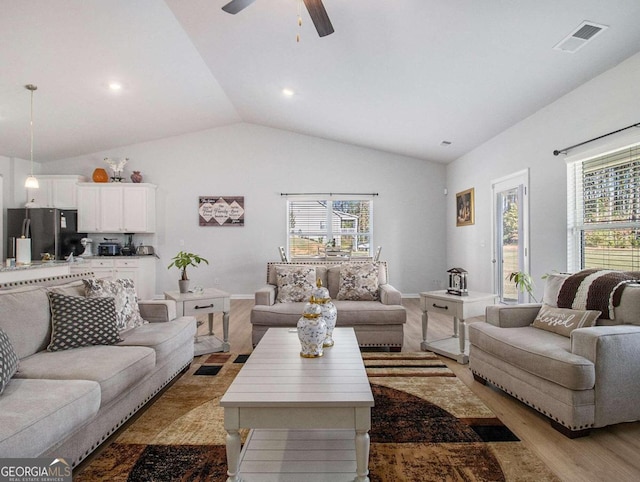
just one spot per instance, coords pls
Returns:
(208, 301)
(458, 307)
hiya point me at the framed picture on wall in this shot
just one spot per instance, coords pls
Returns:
(221, 211)
(465, 207)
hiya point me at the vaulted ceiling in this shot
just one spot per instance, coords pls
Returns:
(400, 76)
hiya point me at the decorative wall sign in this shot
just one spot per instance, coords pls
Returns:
(465, 207)
(221, 211)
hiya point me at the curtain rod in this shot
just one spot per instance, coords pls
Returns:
(566, 149)
(329, 194)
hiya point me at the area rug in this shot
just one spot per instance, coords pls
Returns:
(426, 426)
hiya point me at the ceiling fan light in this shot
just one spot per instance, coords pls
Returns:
(32, 183)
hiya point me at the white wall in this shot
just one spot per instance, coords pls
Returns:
(259, 163)
(606, 103)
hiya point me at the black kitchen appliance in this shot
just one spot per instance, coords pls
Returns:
(110, 247)
(52, 231)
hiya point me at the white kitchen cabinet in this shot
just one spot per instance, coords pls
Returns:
(142, 270)
(55, 191)
(117, 208)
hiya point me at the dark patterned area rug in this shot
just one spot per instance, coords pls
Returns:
(426, 426)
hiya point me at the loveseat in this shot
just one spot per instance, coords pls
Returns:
(65, 403)
(579, 377)
(375, 312)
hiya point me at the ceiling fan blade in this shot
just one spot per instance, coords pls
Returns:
(319, 16)
(235, 6)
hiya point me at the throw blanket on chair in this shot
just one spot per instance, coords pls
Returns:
(594, 289)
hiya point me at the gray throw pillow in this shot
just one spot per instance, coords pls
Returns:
(295, 283)
(359, 282)
(124, 294)
(563, 320)
(8, 360)
(78, 322)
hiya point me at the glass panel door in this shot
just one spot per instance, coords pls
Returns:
(510, 236)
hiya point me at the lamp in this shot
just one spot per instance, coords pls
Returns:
(31, 181)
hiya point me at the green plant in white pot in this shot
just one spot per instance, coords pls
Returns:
(182, 261)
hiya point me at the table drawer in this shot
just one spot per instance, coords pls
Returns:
(202, 306)
(435, 305)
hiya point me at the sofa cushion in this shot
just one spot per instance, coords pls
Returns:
(563, 320)
(295, 283)
(25, 318)
(37, 414)
(75, 288)
(539, 352)
(164, 338)
(124, 293)
(115, 368)
(359, 282)
(8, 360)
(350, 313)
(80, 322)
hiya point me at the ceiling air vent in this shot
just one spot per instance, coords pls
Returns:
(584, 33)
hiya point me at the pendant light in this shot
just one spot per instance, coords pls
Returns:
(31, 181)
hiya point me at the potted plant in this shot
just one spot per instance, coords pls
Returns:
(181, 261)
(523, 282)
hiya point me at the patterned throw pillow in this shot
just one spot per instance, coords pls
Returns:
(295, 283)
(563, 320)
(8, 360)
(124, 293)
(359, 282)
(78, 321)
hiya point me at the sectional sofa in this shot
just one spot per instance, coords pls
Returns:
(65, 403)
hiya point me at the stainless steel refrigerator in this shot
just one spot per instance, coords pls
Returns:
(52, 231)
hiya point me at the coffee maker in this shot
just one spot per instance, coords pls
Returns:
(129, 249)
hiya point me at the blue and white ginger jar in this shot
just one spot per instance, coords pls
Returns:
(329, 311)
(312, 330)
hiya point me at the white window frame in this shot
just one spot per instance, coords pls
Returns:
(328, 224)
(575, 207)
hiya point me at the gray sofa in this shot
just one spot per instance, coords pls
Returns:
(66, 403)
(376, 323)
(587, 380)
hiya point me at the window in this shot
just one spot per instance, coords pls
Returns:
(604, 211)
(314, 224)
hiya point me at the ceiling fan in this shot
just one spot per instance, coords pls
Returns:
(315, 7)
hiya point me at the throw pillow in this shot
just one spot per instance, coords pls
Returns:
(563, 320)
(359, 282)
(77, 322)
(295, 283)
(8, 360)
(124, 293)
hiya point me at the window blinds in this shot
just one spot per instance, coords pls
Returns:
(604, 217)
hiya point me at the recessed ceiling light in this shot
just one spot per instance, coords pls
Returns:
(115, 86)
(288, 92)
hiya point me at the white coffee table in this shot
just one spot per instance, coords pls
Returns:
(307, 403)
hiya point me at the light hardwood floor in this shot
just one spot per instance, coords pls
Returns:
(608, 454)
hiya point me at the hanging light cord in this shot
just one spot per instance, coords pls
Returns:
(31, 87)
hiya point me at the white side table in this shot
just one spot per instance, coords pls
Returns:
(460, 308)
(209, 301)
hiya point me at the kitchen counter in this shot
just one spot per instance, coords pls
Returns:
(35, 270)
